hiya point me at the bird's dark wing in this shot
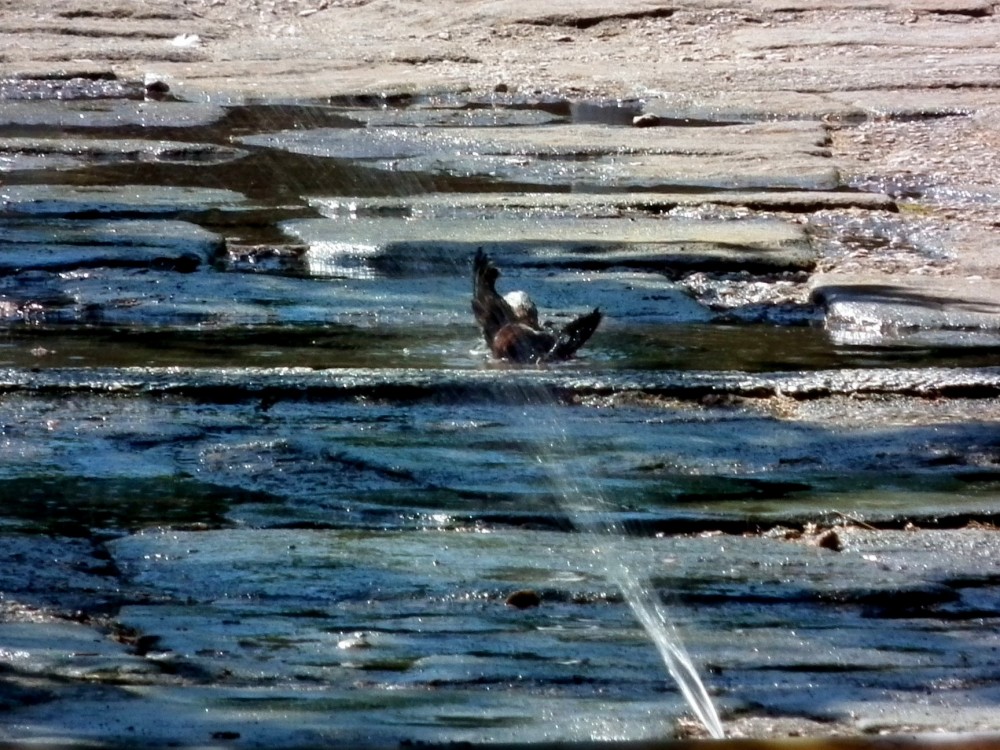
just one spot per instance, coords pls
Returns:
(575, 334)
(524, 344)
(491, 310)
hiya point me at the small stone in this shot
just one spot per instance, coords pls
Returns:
(830, 540)
(186, 40)
(156, 86)
(645, 121)
(354, 641)
(524, 599)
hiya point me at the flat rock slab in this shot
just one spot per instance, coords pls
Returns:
(64, 153)
(845, 107)
(123, 201)
(396, 245)
(130, 297)
(80, 81)
(748, 106)
(596, 204)
(424, 117)
(123, 449)
(954, 37)
(63, 244)
(587, 13)
(385, 616)
(505, 385)
(757, 139)
(83, 653)
(441, 325)
(786, 155)
(298, 613)
(108, 113)
(910, 310)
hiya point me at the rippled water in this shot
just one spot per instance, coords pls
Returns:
(592, 515)
(243, 496)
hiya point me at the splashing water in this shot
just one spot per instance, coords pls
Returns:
(587, 511)
(654, 619)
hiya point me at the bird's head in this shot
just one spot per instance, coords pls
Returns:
(524, 309)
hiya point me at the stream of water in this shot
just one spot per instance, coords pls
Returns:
(582, 500)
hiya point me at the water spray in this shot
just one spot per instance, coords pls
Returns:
(634, 586)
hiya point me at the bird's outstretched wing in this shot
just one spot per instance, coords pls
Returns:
(575, 334)
(491, 310)
(521, 339)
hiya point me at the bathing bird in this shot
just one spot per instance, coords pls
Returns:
(510, 323)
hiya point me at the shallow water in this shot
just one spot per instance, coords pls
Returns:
(248, 490)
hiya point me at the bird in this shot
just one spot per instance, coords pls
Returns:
(510, 323)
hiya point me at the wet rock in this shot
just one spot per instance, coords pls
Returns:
(587, 14)
(973, 8)
(654, 172)
(156, 88)
(80, 82)
(358, 640)
(829, 539)
(713, 109)
(28, 297)
(837, 107)
(781, 300)
(400, 246)
(593, 204)
(646, 120)
(110, 113)
(124, 201)
(771, 155)
(287, 258)
(62, 244)
(787, 600)
(18, 161)
(505, 386)
(455, 118)
(359, 143)
(908, 310)
(137, 299)
(66, 153)
(523, 599)
(82, 653)
(49, 577)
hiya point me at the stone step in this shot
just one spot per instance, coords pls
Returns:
(398, 245)
(591, 204)
(108, 113)
(501, 385)
(763, 139)
(771, 155)
(74, 153)
(119, 201)
(64, 244)
(875, 310)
